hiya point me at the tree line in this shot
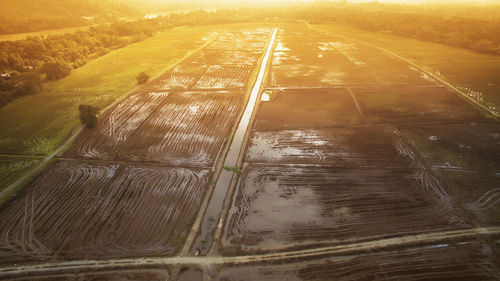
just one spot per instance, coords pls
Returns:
(23, 16)
(35, 59)
(434, 25)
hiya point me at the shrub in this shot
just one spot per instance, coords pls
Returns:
(142, 78)
(88, 115)
(55, 69)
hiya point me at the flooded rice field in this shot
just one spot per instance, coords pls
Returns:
(414, 104)
(133, 185)
(111, 275)
(277, 207)
(226, 63)
(78, 210)
(316, 59)
(338, 144)
(291, 109)
(362, 146)
(460, 260)
(352, 157)
(181, 128)
(467, 155)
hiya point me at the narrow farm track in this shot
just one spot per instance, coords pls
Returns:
(351, 249)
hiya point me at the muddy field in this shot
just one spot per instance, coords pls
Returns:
(360, 146)
(291, 109)
(226, 63)
(461, 260)
(336, 161)
(309, 58)
(253, 40)
(286, 206)
(414, 104)
(182, 128)
(348, 144)
(152, 156)
(467, 156)
(78, 210)
(118, 275)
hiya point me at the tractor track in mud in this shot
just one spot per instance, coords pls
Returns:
(336, 250)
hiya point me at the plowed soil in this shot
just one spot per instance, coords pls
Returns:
(169, 128)
(226, 63)
(278, 207)
(309, 58)
(467, 157)
(463, 260)
(414, 104)
(89, 211)
(121, 275)
(361, 146)
(307, 108)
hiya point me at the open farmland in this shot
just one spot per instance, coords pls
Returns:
(467, 157)
(329, 160)
(93, 202)
(314, 60)
(181, 128)
(38, 124)
(475, 74)
(224, 64)
(296, 205)
(464, 260)
(291, 108)
(111, 275)
(67, 213)
(414, 104)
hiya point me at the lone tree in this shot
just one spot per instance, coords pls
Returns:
(55, 70)
(88, 115)
(142, 78)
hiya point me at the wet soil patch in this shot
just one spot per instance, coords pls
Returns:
(114, 275)
(307, 108)
(467, 158)
(360, 146)
(414, 104)
(464, 146)
(77, 210)
(313, 59)
(461, 260)
(202, 76)
(278, 207)
(190, 274)
(220, 57)
(185, 128)
(245, 40)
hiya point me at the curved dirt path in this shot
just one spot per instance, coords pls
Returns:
(352, 248)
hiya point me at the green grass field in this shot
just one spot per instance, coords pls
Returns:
(36, 125)
(10, 168)
(476, 74)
